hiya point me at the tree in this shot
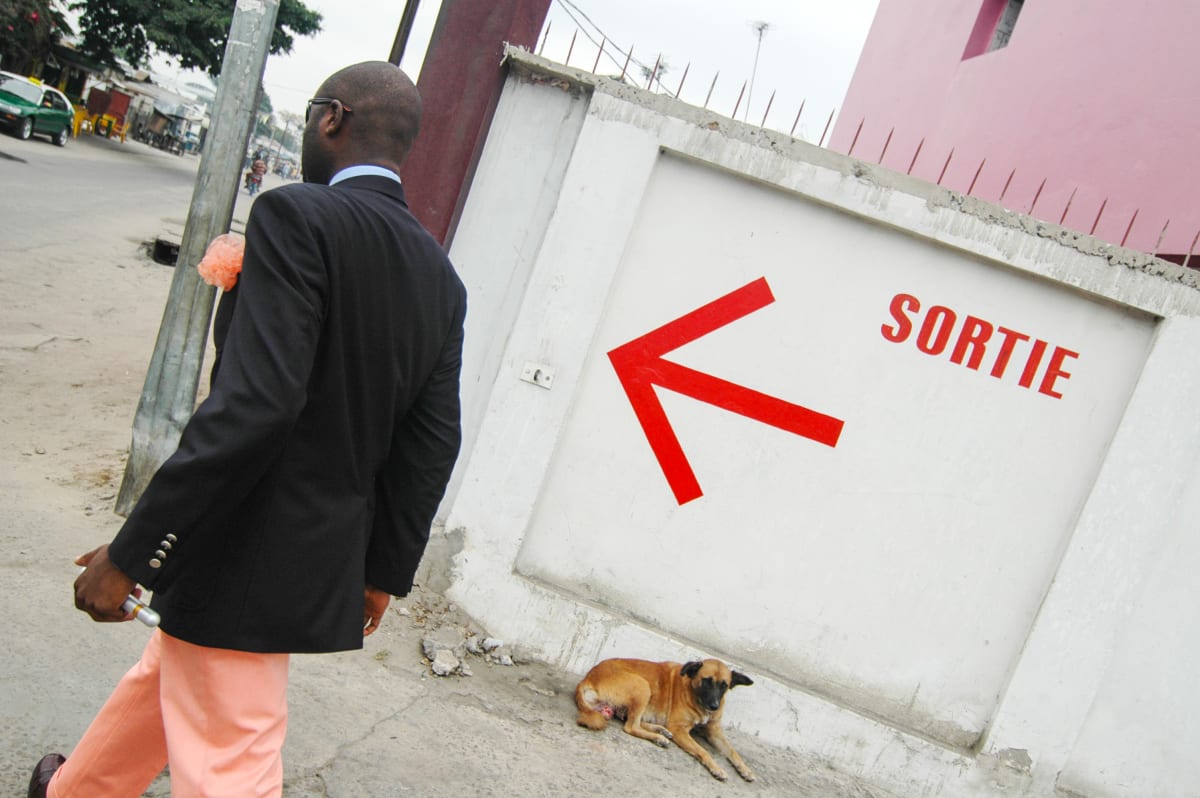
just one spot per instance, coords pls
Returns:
(193, 31)
(648, 72)
(293, 125)
(27, 30)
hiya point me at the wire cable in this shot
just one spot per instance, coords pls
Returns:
(568, 6)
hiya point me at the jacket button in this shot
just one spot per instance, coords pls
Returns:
(156, 563)
(166, 544)
(172, 538)
(160, 554)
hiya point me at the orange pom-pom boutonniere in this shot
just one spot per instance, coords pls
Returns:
(222, 261)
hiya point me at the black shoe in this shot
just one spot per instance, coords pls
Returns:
(42, 772)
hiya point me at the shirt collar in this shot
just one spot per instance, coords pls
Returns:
(361, 170)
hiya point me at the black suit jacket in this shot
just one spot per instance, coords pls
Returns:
(317, 461)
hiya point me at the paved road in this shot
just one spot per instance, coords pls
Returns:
(79, 309)
(84, 191)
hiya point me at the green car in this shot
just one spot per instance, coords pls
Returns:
(27, 108)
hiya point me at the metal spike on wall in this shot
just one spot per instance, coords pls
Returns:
(792, 133)
(545, 36)
(764, 119)
(886, 142)
(571, 47)
(945, 166)
(683, 79)
(826, 130)
(971, 187)
(654, 72)
(1033, 204)
(1070, 199)
(625, 68)
(913, 162)
(1007, 183)
(1191, 249)
(1099, 213)
(599, 53)
(738, 105)
(1132, 219)
(850, 152)
(708, 96)
(1161, 236)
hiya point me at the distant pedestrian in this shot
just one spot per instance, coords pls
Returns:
(254, 179)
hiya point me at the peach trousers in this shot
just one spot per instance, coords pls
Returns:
(217, 717)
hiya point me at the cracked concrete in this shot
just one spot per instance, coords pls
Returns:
(376, 724)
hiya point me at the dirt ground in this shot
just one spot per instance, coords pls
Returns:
(78, 318)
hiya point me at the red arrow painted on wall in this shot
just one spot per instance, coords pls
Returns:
(640, 366)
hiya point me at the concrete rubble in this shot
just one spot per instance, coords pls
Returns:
(446, 650)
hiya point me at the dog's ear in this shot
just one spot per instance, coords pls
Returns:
(740, 678)
(690, 669)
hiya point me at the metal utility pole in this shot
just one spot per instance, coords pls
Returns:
(287, 125)
(405, 28)
(169, 395)
(760, 29)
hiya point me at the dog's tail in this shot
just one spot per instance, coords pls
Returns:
(589, 715)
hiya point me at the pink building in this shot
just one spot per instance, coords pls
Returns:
(1086, 111)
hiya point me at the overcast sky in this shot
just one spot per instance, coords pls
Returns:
(809, 49)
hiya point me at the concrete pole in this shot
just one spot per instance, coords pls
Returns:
(169, 395)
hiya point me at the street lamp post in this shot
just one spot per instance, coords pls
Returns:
(760, 30)
(287, 123)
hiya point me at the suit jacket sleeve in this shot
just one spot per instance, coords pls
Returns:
(255, 399)
(413, 480)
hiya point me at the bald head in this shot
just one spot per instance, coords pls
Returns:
(373, 121)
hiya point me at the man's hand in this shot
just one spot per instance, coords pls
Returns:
(375, 604)
(102, 588)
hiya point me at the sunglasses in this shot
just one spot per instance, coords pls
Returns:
(323, 101)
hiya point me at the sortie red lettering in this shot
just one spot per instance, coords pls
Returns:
(971, 346)
(942, 320)
(1055, 370)
(899, 333)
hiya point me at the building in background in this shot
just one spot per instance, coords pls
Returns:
(1080, 112)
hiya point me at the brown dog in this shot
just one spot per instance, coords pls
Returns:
(662, 701)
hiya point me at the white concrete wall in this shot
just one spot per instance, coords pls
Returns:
(514, 197)
(901, 597)
(1141, 731)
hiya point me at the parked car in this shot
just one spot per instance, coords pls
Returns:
(27, 107)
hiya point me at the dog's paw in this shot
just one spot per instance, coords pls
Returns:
(747, 774)
(661, 741)
(719, 773)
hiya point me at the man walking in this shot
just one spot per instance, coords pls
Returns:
(302, 492)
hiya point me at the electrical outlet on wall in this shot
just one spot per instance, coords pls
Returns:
(538, 374)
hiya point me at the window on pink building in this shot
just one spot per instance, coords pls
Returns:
(993, 27)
